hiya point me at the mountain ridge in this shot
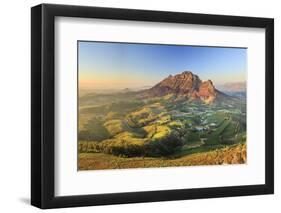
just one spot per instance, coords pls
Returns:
(185, 84)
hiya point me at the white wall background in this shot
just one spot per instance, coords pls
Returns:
(15, 105)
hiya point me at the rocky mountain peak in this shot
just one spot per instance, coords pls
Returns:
(185, 84)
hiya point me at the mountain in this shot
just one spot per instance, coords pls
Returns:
(233, 87)
(188, 85)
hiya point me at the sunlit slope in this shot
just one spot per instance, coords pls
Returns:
(235, 154)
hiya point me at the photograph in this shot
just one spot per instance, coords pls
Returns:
(146, 105)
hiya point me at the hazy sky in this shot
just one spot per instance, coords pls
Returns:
(104, 65)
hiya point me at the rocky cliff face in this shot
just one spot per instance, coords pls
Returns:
(207, 92)
(185, 84)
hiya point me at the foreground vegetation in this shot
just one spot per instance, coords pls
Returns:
(235, 154)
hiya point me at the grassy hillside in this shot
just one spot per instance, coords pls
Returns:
(235, 154)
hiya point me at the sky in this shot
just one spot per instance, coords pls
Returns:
(107, 65)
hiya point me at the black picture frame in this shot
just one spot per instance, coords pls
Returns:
(43, 102)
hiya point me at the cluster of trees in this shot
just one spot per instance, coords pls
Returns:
(156, 148)
(125, 150)
(163, 146)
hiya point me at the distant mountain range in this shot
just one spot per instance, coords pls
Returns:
(188, 85)
(233, 87)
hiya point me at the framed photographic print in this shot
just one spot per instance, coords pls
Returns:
(139, 106)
